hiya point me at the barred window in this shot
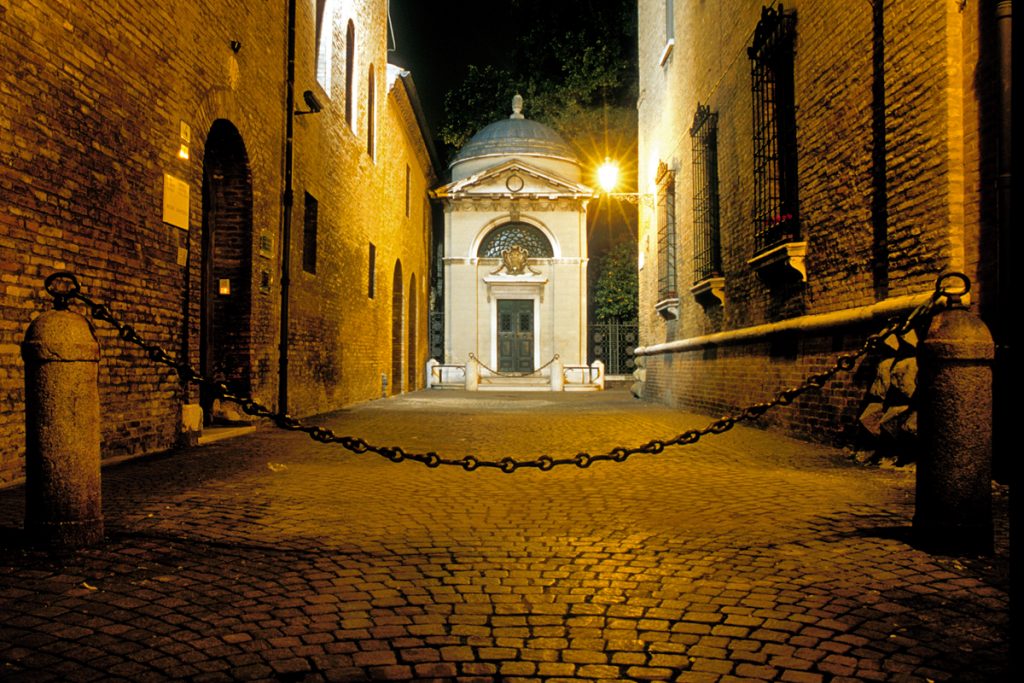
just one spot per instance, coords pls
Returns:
(776, 211)
(707, 253)
(530, 238)
(666, 182)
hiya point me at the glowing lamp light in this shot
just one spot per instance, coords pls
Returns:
(608, 175)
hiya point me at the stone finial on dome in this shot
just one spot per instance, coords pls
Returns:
(517, 107)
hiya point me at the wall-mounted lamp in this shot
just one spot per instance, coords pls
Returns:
(312, 102)
(608, 179)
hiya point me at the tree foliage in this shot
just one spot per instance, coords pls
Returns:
(616, 291)
(573, 64)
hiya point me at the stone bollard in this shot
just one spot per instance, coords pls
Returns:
(472, 373)
(62, 432)
(598, 365)
(557, 375)
(954, 487)
(431, 380)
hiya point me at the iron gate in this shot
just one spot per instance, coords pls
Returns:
(437, 335)
(612, 343)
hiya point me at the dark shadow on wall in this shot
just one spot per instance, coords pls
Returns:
(879, 188)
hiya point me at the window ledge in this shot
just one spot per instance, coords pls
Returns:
(709, 290)
(785, 261)
(667, 52)
(668, 308)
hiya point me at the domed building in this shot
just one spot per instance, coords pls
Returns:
(515, 259)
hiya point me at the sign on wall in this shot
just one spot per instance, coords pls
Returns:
(175, 201)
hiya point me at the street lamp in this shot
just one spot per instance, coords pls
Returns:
(608, 179)
(608, 175)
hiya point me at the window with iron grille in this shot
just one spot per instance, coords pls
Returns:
(707, 253)
(666, 182)
(776, 211)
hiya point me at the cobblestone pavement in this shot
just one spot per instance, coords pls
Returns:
(746, 557)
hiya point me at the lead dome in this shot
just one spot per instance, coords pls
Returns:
(514, 137)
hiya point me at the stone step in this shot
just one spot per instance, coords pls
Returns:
(213, 434)
(515, 379)
(528, 383)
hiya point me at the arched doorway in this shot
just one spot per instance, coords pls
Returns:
(226, 301)
(397, 302)
(411, 365)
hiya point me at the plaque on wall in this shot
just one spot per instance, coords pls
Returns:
(175, 201)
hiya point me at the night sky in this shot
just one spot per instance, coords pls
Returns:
(437, 40)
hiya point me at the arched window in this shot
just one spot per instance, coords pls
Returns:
(324, 42)
(350, 59)
(412, 325)
(370, 113)
(530, 238)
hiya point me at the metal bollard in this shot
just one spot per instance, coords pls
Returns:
(954, 487)
(62, 432)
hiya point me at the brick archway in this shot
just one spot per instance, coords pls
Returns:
(411, 364)
(397, 304)
(226, 300)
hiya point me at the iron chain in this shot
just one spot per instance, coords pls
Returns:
(513, 374)
(844, 363)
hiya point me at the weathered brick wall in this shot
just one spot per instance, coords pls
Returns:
(92, 98)
(91, 101)
(927, 208)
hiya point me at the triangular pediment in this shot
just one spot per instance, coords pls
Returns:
(513, 178)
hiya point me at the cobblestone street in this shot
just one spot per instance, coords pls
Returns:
(748, 556)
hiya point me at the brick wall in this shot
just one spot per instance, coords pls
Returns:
(340, 359)
(92, 98)
(889, 164)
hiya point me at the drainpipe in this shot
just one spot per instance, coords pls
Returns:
(286, 215)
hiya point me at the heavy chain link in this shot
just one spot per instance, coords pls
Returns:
(844, 363)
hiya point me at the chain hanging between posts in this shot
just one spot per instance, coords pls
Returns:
(71, 290)
(513, 374)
